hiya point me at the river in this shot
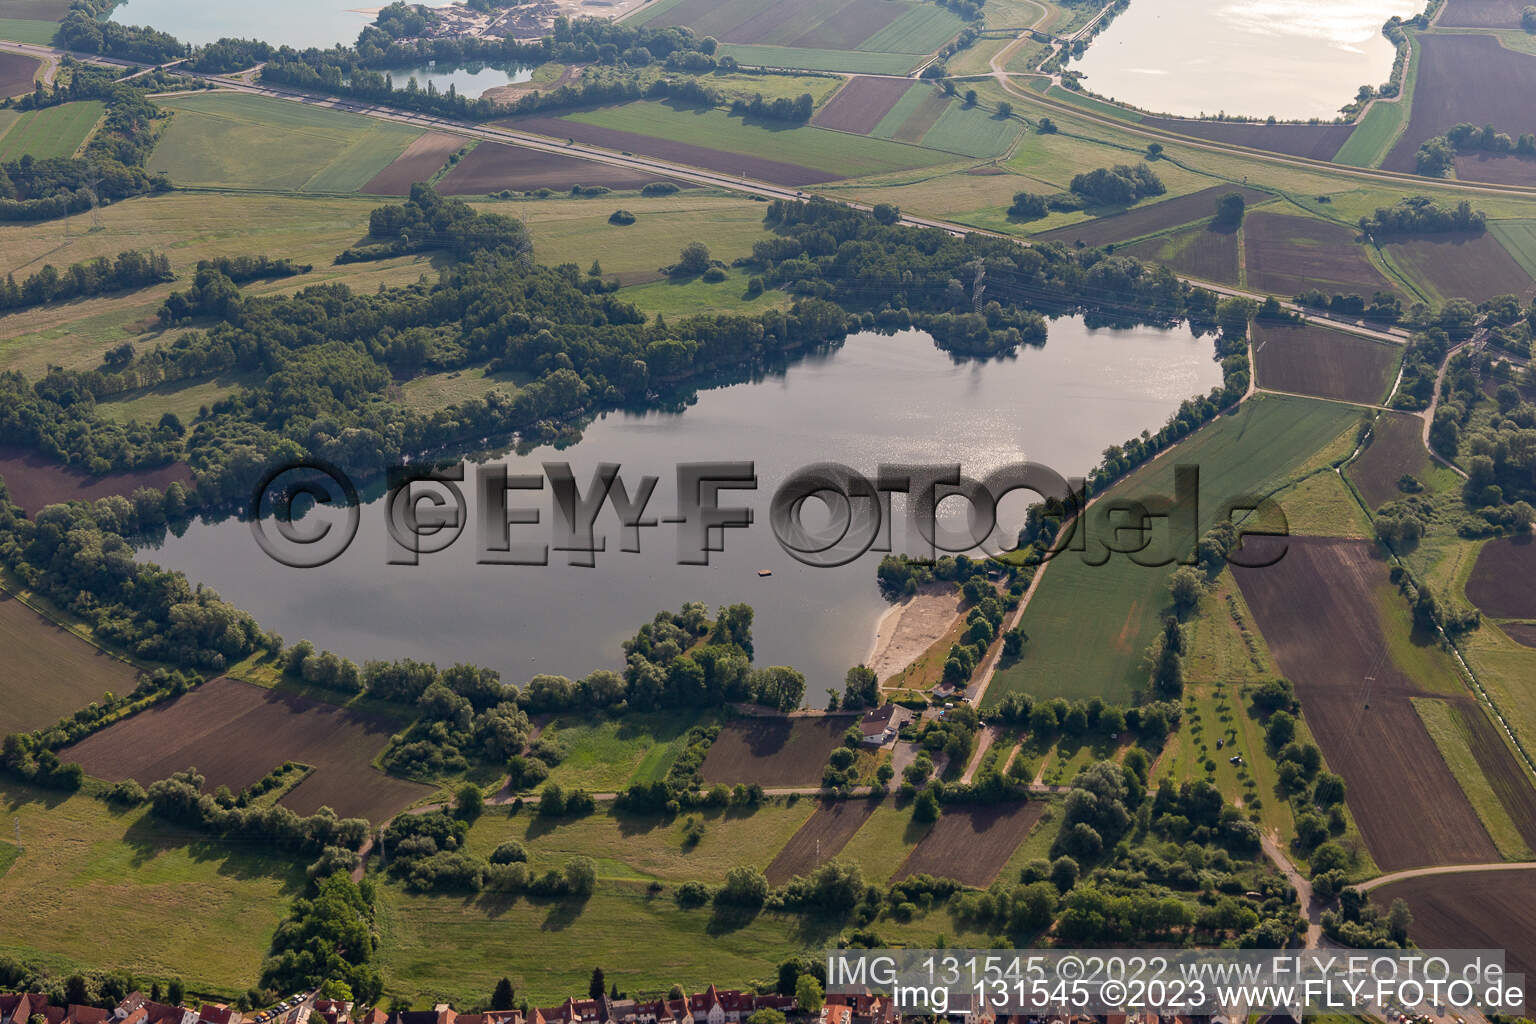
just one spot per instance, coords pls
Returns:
(875, 399)
(1293, 59)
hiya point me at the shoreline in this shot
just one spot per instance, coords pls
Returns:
(907, 630)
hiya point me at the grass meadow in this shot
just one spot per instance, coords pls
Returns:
(50, 132)
(1090, 626)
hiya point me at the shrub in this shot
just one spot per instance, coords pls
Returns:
(621, 217)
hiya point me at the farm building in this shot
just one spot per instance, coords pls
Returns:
(881, 725)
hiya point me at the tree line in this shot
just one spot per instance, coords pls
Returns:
(131, 269)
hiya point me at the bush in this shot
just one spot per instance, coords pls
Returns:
(621, 217)
(509, 852)
(714, 275)
(659, 188)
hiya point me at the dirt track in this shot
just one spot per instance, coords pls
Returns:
(1317, 608)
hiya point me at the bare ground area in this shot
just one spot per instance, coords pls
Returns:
(1503, 582)
(1470, 78)
(913, 626)
(1396, 450)
(859, 105)
(1476, 910)
(492, 167)
(1313, 141)
(1317, 607)
(235, 733)
(34, 481)
(48, 671)
(1306, 359)
(821, 838)
(421, 159)
(971, 844)
(775, 751)
(16, 74)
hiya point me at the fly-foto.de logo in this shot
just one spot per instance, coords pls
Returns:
(305, 515)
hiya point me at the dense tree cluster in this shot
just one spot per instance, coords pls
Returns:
(112, 165)
(86, 29)
(76, 556)
(180, 799)
(1421, 215)
(228, 55)
(1119, 185)
(328, 937)
(1437, 156)
(131, 269)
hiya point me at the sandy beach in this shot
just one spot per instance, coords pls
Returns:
(911, 627)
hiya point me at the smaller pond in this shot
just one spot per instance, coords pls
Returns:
(470, 82)
(297, 23)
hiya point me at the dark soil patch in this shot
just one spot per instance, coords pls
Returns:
(1477, 910)
(1481, 14)
(16, 74)
(34, 481)
(1523, 633)
(492, 167)
(1503, 170)
(775, 752)
(1396, 450)
(421, 159)
(1306, 359)
(1511, 785)
(1288, 255)
(679, 152)
(1199, 251)
(1145, 220)
(1462, 265)
(1317, 608)
(1503, 582)
(821, 838)
(1466, 78)
(971, 844)
(34, 10)
(50, 672)
(234, 733)
(859, 105)
(1312, 141)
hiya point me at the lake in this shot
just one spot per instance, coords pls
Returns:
(297, 23)
(875, 399)
(470, 82)
(1293, 59)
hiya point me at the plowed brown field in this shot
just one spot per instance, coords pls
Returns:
(234, 733)
(1318, 609)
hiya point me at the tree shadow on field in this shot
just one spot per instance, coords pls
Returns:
(726, 919)
(563, 913)
(632, 825)
(27, 796)
(147, 839)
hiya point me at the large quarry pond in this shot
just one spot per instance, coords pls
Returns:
(1293, 59)
(296, 23)
(875, 399)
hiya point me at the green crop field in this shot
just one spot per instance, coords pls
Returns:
(1445, 726)
(921, 30)
(210, 908)
(257, 142)
(28, 30)
(971, 131)
(1371, 141)
(1089, 626)
(606, 755)
(645, 847)
(1519, 237)
(837, 152)
(642, 940)
(51, 132)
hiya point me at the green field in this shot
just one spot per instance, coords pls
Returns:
(969, 131)
(440, 390)
(1374, 137)
(244, 141)
(1445, 725)
(1090, 626)
(807, 146)
(646, 847)
(28, 30)
(1519, 238)
(642, 940)
(608, 754)
(921, 30)
(184, 398)
(51, 132)
(97, 889)
(697, 297)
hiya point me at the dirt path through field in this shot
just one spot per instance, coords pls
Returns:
(1309, 903)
